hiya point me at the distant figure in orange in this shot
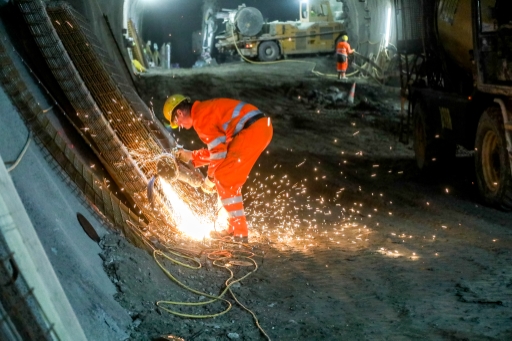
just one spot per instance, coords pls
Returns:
(342, 51)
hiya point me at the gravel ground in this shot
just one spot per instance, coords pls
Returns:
(350, 240)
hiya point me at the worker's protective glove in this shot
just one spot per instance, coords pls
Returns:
(208, 185)
(184, 154)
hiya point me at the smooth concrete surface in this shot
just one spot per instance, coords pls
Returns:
(36, 271)
(52, 207)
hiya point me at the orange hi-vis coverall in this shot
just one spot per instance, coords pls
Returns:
(343, 48)
(236, 133)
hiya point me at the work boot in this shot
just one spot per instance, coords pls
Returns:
(221, 234)
(228, 235)
(241, 239)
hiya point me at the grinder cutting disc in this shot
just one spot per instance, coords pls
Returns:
(151, 189)
(167, 168)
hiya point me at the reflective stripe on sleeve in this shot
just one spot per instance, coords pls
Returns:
(231, 201)
(235, 114)
(241, 123)
(216, 142)
(218, 156)
(234, 214)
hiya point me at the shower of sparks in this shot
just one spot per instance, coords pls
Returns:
(140, 157)
(188, 222)
(284, 211)
(300, 164)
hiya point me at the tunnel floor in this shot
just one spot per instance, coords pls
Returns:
(351, 241)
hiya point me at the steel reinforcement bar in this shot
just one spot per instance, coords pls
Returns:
(114, 155)
(103, 202)
(125, 111)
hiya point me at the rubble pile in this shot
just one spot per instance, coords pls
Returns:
(332, 97)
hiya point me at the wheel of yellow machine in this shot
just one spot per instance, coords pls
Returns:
(268, 51)
(492, 164)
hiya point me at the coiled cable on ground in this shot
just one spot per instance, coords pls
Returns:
(220, 258)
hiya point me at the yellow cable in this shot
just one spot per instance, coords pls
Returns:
(250, 312)
(220, 258)
(223, 255)
(228, 286)
(214, 298)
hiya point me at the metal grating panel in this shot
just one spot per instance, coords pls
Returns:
(78, 174)
(110, 148)
(112, 94)
(409, 19)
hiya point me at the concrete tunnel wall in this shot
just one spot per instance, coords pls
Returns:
(52, 206)
(52, 203)
(366, 21)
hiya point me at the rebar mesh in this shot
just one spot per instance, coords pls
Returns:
(112, 151)
(110, 91)
(122, 118)
(98, 196)
(410, 23)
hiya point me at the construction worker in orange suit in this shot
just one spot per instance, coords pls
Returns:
(342, 51)
(236, 134)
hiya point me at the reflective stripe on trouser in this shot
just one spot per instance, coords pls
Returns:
(235, 208)
(342, 67)
(243, 152)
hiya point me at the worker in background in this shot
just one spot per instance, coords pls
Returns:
(236, 134)
(156, 55)
(148, 54)
(342, 51)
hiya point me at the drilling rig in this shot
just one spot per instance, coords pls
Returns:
(247, 34)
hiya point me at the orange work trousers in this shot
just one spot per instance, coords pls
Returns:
(342, 67)
(243, 152)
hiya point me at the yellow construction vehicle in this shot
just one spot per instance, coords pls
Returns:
(247, 33)
(456, 72)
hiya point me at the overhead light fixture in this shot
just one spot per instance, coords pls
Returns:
(388, 27)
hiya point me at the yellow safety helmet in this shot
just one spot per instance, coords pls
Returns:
(344, 37)
(170, 104)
